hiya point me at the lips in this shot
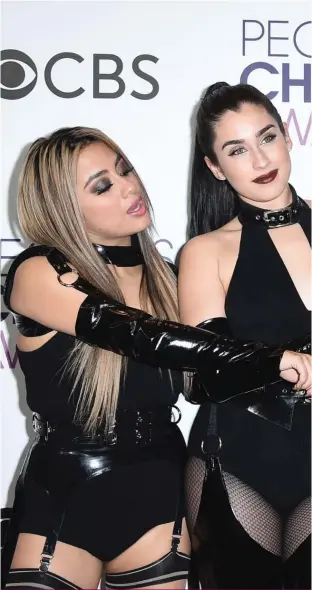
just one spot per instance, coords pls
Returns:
(136, 205)
(266, 178)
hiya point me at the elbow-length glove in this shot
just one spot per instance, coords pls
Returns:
(273, 401)
(231, 367)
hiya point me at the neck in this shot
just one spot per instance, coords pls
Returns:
(123, 241)
(271, 218)
(283, 200)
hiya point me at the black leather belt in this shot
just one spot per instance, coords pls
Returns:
(131, 427)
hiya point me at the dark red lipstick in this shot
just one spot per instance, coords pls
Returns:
(266, 178)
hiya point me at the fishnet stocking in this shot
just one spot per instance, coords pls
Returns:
(258, 518)
(195, 474)
(297, 528)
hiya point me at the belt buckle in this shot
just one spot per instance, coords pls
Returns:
(278, 218)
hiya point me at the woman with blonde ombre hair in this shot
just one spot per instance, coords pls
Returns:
(101, 494)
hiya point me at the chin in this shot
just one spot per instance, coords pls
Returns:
(270, 192)
(268, 197)
(140, 224)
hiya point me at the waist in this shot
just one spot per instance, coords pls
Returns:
(138, 428)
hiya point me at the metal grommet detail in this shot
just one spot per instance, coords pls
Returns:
(179, 414)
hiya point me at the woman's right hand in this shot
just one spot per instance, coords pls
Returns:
(296, 367)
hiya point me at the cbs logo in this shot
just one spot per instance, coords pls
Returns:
(19, 75)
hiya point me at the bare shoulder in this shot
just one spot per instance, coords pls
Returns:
(35, 278)
(200, 291)
(25, 274)
(29, 277)
(36, 293)
(202, 244)
(210, 246)
(33, 266)
(34, 272)
(195, 245)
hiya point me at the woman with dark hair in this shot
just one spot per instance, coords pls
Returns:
(100, 494)
(249, 263)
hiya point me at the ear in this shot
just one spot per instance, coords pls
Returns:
(216, 171)
(287, 137)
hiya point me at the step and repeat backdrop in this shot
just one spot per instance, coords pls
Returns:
(136, 70)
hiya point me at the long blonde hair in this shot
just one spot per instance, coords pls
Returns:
(49, 214)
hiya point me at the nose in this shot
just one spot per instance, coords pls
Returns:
(260, 159)
(127, 187)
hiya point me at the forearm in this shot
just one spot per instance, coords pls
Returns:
(133, 333)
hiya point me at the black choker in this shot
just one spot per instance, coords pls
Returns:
(271, 218)
(121, 255)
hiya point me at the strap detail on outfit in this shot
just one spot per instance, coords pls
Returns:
(137, 427)
(212, 444)
(19, 579)
(170, 568)
(132, 427)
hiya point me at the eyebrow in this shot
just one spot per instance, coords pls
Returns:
(100, 172)
(258, 134)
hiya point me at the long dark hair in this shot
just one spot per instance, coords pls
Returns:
(215, 202)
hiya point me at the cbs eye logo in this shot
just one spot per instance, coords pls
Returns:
(19, 75)
(13, 74)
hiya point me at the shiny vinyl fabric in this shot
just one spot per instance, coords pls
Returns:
(227, 367)
(60, 466)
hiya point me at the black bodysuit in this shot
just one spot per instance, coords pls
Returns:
(266, 467)
(99, 493)
(110, 513)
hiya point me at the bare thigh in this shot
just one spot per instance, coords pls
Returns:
(152, 546)
(74, 564)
